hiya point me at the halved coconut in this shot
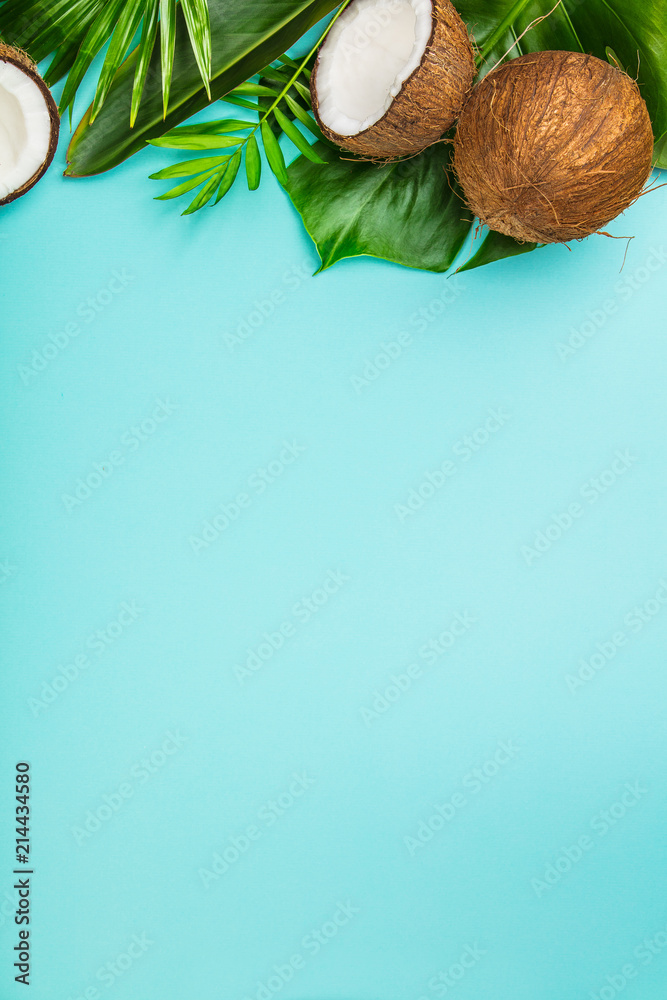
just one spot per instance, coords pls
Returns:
(29, 124)
(392, 76)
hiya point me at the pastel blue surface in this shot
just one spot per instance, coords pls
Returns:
(449, 624)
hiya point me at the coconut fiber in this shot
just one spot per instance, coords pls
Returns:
(552, 146)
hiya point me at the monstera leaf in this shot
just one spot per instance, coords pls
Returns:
(660, 159)
(356, 209)
(333, 201)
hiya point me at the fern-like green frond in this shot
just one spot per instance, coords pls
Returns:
(278, 99)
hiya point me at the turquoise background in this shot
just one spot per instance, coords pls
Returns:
(373, 770)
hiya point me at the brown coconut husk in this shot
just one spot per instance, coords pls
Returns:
(22, 61)
(429, 101)
(552, 146)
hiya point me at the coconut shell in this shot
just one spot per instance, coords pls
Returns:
(20, 59)
(552, 146)
(429, 101)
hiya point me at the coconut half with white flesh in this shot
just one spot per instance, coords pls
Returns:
(29, 124)
(392, 76)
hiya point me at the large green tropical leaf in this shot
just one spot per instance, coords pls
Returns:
(494, 246)
(660, 159)
(336, 202)
(247, 35)
(405, 212)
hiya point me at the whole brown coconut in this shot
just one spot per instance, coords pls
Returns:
(552, 146)
(29, 124)
(392, 76)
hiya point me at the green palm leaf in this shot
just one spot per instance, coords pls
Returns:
(128, 22)
(175, 141)
(188, 185)
(148, 35)
(301, 143)
(75, 31)
(274, 154)
(198, 24)
(43, 28)
(204, 196)
(276, 83)
(229, 176)
(96, 36)
(188, 167)
(253, 163)
(167, 48)
(246, 34)
(307, 120)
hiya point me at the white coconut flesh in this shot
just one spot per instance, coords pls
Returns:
(25, 128)
(372, 49)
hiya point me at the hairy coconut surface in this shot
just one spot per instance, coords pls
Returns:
(552, 146)
(29, 124)
(392, 76)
